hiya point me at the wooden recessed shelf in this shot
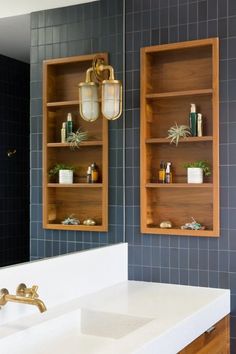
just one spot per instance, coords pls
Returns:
(83, 200)
(172, 77)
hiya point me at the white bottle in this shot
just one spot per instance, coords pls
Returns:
(63, 133)
(199, 124)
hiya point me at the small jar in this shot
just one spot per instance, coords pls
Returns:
(94, 173)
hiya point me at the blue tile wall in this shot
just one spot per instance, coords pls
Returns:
(75, 30)
(183, 260)
(14, 173)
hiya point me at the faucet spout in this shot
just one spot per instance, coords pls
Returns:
(23, 296)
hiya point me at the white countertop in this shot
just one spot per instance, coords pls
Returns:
(130, 317)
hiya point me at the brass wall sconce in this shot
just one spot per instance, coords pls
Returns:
(111, 92)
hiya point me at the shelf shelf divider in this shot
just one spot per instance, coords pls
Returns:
(192, 139)
(179, 93)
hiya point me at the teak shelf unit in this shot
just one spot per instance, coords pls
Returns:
(84, 200)
(172, 77)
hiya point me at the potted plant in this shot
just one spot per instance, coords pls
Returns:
(178, 131)
(196, 170)
(64, 172)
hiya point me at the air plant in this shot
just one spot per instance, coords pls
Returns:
(178, 131)
(76, 138)
(71, 220)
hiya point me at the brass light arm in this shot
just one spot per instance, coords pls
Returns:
(88, 75)
(103, 67)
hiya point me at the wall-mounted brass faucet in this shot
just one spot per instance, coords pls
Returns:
(23, 295)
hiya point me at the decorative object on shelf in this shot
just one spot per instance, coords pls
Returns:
(166, 225)
(199, 124)
(168, 174)
(89, 173)
(194, 225)
(71, 220)
(76, 138)
(63, 133)
(193, 119)
(94, 173)
(196, 170)
(111, 96)
(69, 125)
(162, 173)
(178, 131)
(65, 176)
(64, 172)
(89, 222)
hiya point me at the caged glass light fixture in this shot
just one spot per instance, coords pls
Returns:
(111, 93)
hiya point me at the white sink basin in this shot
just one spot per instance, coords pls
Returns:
(82, 331)
(111, 325)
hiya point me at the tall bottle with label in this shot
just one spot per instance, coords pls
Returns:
(94, 173)
(193, 119)
(162, 173)
(69, 125)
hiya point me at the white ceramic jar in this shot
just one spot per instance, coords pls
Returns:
(65, 177)
(195, 175)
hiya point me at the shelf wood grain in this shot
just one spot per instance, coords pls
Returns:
(83, 143)
(97, 228)
(63, 103)
(192, 139)
(75, 185)
(179, 93)
(179, 185)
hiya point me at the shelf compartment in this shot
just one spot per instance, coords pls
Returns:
(162, 114)
(178, 156)
(64, 76)
(180, 206)
(154, 96)
(82, 144)
(75, 185)
(179, 185)
(193, 139)
(78, 158)
(179, 69)
(56, 117)
(83, 203)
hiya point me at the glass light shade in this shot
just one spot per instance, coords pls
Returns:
(111, 99)
(89, 104)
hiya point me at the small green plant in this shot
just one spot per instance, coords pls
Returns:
(200, 164)
(54, 171)
(178, 131)
(76, 138)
